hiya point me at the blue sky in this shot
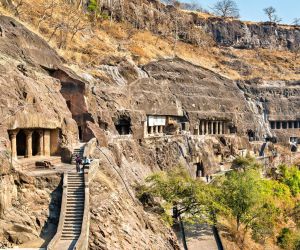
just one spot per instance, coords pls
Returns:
(252, 10)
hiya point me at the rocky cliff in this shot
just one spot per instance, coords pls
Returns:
(191, 27)
(39, 90)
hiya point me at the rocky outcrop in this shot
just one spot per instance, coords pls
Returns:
(26, 90)
(192, 28)
(118, 220)
(29, 209)
(243, 35)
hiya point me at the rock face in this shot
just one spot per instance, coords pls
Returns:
(31, 211)
(118, 220)
(238, 34)
(192, 28)
(36, 90)
(279, 102)
(29, 97)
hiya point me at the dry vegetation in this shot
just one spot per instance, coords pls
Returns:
(81, 42)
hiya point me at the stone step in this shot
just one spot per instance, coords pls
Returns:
(73, 220)
(75, 230)
(74, 214)
(72, 227)
(76, 206)
(69, 238)
(70, 235)
(72, 231)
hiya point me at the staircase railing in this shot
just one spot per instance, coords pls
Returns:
(57, 236)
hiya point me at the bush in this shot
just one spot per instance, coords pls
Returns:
(288, 239)
(285, 239)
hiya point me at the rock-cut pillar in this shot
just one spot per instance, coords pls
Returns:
(206, 128)
(41, 142)
(221, 128)
(28, 152)
(13, 142)
(47, 142)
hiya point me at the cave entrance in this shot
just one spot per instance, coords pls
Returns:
(21, 143)
(123, 126)
(200, 170)
(251, 135)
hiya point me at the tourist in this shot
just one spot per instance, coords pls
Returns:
(207, 178)
(86, 162)
(78, 162)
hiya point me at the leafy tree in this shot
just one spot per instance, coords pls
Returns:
(291, 177)
(193, 199)
(272, 16)
(226, 8)
(247, 199)
(245, 163)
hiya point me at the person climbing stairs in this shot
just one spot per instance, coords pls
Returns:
(78, 151)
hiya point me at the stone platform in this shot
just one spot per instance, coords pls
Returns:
(24, 164)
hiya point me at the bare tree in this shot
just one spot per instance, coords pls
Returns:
(17, 9)
(271, 13)
(7, 4)
(296, 51)
(226, 8)
(47, 12)
(296, 21)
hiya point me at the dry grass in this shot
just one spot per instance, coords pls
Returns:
(105, 42)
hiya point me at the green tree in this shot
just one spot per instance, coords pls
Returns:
(290, 175)
(245, 163)
(193, 199)
(251, 202)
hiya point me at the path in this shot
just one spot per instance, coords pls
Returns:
(199, 237)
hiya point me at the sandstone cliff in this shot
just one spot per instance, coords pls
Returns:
(36, 85)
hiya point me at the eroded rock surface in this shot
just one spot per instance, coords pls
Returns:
(31, 211)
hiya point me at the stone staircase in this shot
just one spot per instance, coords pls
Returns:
(74, 208)
(72, 214)
(78, 151)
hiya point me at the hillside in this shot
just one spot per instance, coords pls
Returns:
(139, 87)
(233, 48)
